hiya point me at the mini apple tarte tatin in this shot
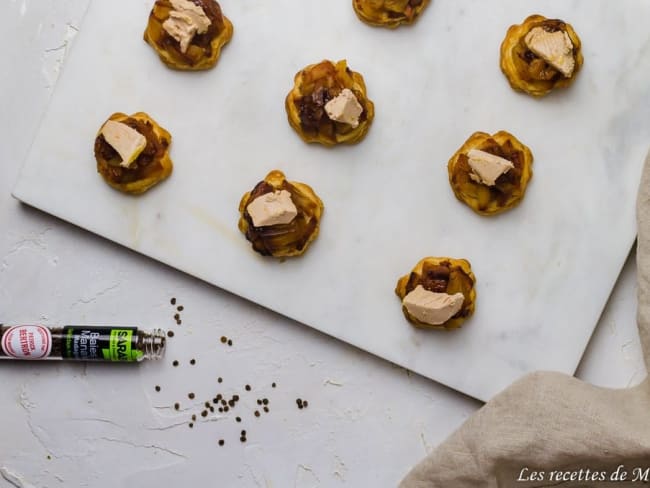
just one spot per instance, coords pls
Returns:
(132, 152)
(280, 218)
(389, 13)
(490, 173)
(438, 294)
(188, 34)
(540, 55)
(328, 104)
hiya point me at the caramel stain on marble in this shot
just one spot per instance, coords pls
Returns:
(132, 218)
(229, 232)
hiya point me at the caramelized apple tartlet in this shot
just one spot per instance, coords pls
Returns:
(280, 218)
(132, 152)
(188, 34)
(439, 293)
(389, 13)
(490, 173)
(328, 104)
(540, 55)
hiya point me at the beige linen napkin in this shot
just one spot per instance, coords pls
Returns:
(554, 423)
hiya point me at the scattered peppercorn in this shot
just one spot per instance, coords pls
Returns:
(173, 301)
(221, 403)
(179, 322)
(180, 308)
(177, 317)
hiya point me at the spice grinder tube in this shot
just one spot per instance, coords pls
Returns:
(80, 343)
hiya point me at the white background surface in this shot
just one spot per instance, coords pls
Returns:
(367, 422)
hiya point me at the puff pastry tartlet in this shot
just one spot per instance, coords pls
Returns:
(540, 55)
(280, 218)
(439, 293)
(132, 152)
(328, 104)
(389, 13)
(188, 34)
(490, 173)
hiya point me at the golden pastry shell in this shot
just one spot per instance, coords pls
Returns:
(461, 280)
(382, 16)
(285, 240)
(329, 75)
(472, 193)
(196, 58)
(512, 64)
(158, 170)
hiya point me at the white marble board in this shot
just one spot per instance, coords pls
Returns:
(544, 270)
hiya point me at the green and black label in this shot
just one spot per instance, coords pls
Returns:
(100, 344)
